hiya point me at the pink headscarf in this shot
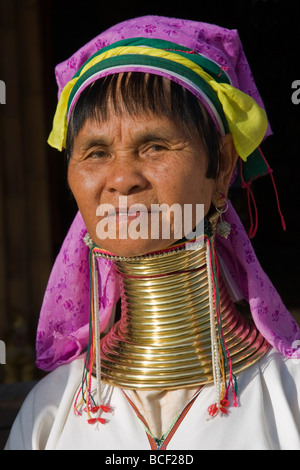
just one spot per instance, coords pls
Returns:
(63, 328)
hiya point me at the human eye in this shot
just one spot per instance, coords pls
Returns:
(158, 148)
(97, 154)
(154, 149)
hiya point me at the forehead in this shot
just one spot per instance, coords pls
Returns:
(133, 130)
(134, 92)
(137, 93)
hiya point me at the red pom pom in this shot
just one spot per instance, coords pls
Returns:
(95, 420)
(92, 420)
(213, 410)
(101, 420)
(94, 409)
(105, 408)
(224, 402)
(223, 410)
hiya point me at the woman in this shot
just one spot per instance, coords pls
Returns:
(160, 113)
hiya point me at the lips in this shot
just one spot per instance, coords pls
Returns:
(129, 211)
(126, 214)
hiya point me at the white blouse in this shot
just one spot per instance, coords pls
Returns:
(267, 418)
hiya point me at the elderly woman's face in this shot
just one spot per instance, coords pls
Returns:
(126, 160)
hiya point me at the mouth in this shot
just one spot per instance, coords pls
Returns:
(128, 213)
(137, 221)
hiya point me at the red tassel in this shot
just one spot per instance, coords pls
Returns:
(94, 409)
(253, 226)
(92, 420)
(95, 420)
(101, 420)
(106, 408)
(214, 409)
(224, 402)
(223, 410)
(270, 171)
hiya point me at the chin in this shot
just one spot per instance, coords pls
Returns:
(130, 248)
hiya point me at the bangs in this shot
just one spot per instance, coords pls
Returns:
(138, 93)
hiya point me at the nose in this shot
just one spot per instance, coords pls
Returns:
(126, 177)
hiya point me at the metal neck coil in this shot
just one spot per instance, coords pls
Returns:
(162, 340)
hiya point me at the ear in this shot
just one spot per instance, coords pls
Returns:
(228, 161)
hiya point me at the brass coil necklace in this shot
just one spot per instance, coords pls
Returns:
(163, 340)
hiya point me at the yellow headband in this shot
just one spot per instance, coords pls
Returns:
(246, 120)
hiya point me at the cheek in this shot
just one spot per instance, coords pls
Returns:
(187, 186)
(86, 189)
(85, 185)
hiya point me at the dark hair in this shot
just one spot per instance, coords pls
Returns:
(138, 93)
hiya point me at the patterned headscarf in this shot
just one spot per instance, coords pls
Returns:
(209, 61)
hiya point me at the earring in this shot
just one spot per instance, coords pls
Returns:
(223, 227)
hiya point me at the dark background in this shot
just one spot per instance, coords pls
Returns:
(36, 207)
(269, 31)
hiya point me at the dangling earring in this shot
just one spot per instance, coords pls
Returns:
(223, 227)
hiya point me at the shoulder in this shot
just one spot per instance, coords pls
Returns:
(282, 373)
(55, 384)
(273, 387)
(45, 407)
(273, 368)
(52, 389)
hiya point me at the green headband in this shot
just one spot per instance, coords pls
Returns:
(234, 111)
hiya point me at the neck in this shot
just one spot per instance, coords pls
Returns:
(174, 312)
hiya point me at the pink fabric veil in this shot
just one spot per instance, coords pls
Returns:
(63, 327)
